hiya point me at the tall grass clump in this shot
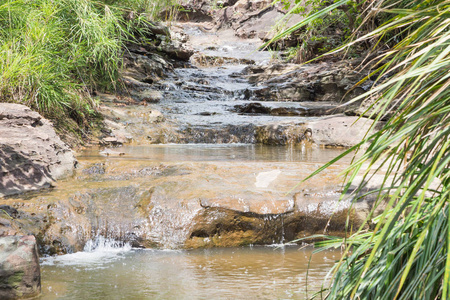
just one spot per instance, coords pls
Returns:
(53, 53)
(405, 255)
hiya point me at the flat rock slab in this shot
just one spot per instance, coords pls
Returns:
(32, 156)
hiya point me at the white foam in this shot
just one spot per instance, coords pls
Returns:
(96, 253)
(281, 245)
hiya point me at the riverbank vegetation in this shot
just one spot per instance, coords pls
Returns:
(405, 255)
(318, 36)
(53, 54)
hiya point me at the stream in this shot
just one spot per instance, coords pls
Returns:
(111, 271)
(204, 199)
(109, 268)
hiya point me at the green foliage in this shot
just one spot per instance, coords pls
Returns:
(406, 255)
(319, 35)
(53, 52)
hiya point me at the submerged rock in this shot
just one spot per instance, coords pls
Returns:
(20, 275)
(32, 156)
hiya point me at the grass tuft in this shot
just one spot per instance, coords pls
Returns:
(53, 53)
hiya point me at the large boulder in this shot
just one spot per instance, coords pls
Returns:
(20, 275)
(32, 156)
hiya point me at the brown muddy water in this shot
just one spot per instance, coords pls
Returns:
(120, 272)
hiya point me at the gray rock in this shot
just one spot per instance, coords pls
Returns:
(336, 130)
(340, 130)
(32, 156)
(20, 275)
(311, 82)
(248, 18)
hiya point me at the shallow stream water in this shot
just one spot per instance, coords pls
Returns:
(120, 272)
(238, 153)
(112, 270)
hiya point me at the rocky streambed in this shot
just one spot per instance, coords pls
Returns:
(185, 197)
(206, 147)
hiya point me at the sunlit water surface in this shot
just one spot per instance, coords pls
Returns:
(216, 152)
(119, 272)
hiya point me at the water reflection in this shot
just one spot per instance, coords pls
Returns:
(231, 273)
(224, 152)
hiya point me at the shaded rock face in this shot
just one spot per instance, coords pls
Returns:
(19, 268)
(32, 156)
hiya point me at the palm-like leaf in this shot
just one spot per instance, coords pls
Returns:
(406, 255)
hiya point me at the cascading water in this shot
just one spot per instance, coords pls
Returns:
(96, 253)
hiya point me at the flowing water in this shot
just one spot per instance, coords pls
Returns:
(154, 196)
(112, 271)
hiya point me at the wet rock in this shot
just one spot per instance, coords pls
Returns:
(32, 156)
(144, 67)
(147, 95)
(279, 134)
(226, 134)
(287, 110)
(111, 141)
(221, 227)
(252, 108)
(218, 227)
(311, 82)
(96, 169)
(202, 60)
(261, 207)
(336, 131)
(176, 49)
(19, 267)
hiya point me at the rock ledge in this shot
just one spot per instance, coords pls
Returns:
(32, 156)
